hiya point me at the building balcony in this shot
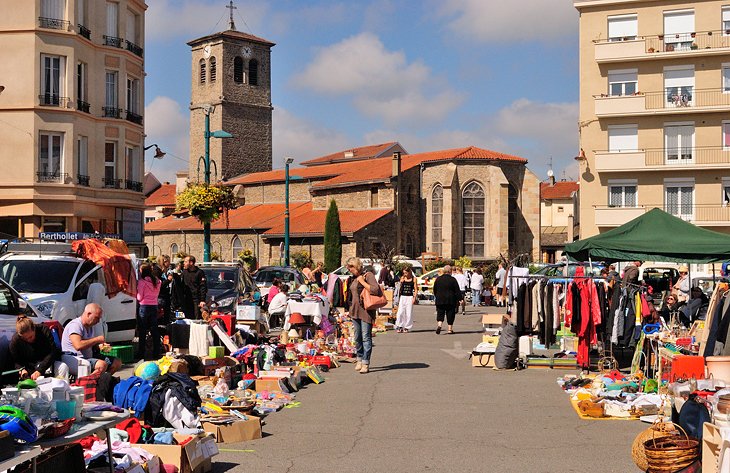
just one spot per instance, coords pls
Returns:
(607, 216)
(53, 23)
(113, 41)
(670, 101)
(55, 177)
(133, 185)
(112, 183)
(662, 159)
(111, 112)
(83, 180)
(135, 49)
(134, 118)
(51, 100)
(84, 31)
(82, 106)
(663, 47)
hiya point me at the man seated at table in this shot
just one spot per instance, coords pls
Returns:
(277, 307)
(78, 342)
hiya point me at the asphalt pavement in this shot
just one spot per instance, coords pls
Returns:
(423, 407)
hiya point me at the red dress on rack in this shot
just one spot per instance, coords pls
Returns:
(589, 317)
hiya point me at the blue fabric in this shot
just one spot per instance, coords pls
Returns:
(132, 393)
(141, 398)
(164, 438)
(363, 340)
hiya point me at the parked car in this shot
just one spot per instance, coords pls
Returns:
(61, 293)
(705, 282)
(343, 273)
(425, 281)
(659, 276)
(266, 274)
(560, 269)
(229, 284)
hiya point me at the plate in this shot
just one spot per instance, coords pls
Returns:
(102, 415)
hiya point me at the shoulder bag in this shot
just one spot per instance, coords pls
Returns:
(371, 302)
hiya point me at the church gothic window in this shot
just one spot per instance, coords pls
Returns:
(513, 209)
(213, 69)
(253, 72)
(238, 70)
(237, 247)
(473, 199)
(202, 71)
(437, 216)
(174, 249)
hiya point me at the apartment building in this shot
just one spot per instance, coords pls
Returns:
(71, 117)
(654, 102)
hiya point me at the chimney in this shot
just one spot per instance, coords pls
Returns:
(570, 229)
(181, 181)
(349, 154)
(395, 170)
(552, 181)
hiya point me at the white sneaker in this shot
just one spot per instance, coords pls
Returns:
(358, 366)
(365, 369)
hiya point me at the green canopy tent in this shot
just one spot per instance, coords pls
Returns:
(654, 236)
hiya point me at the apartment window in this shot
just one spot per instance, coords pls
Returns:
(53, 14)
(50, 156)
(54, 224)
(623, 138)
(679, 142)
(133, 95)
(678, 28)
(236, 248)
(437, 215)
(623, 82)
(473, 198)
(82, 156)
(238, 70)
(52, 79)
(373, 197)
(132, 22)
(679, 198)
(726, 78)
(202, 71)
(253, 72)
(622, 27)
(81, 81)
(81, 12)
(110, 163)
(679, 85)
(726, 135)
(726, 20)
(112, 19)
(622, 193)
(111, 99)
(561, 209)
(133, 163)
(726, 191)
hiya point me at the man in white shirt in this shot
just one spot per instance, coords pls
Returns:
(500, 278)
(277, 307)
(461, 279)
(476, 286)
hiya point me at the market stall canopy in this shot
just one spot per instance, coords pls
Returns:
(654, 236)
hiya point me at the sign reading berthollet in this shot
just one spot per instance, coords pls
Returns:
(73, 236)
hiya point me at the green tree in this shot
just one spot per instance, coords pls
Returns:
(332, 239)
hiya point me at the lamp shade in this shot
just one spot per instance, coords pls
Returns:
(296, 318)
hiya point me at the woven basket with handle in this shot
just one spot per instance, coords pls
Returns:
(669, 454)
(658, 430)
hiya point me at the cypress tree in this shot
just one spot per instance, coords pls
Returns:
(332, 239)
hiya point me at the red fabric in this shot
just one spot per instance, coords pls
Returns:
(132, 427)
(89, 384)
(590, 315)
(87, 442)
(118, 271)
(645, 310)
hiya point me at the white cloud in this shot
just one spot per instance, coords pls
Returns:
(168, 125)
(167, 19)
(299, 138)
(382, 83)
(503, 21)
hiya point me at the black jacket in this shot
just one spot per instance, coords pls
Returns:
(446, 290)
(36, 356)
(196, 287)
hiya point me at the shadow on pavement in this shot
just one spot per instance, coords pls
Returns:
(402, 366)
(222, 467)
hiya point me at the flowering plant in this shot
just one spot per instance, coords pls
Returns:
(206, 202)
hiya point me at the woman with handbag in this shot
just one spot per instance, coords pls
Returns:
(404, 319)
(365, 299)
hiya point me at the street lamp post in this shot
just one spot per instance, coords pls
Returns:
(287, 162)
(208, 109)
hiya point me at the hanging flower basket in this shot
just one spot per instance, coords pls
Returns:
(206, 202)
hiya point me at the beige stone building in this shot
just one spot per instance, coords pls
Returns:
(559, 217)
(71, 108)
(654, 102)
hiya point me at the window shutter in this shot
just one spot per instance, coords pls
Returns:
(679, 78)
(679, 22)
(623, 139)
(623, 27)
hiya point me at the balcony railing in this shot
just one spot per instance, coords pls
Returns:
(53, 23)
(51, 100)
(45, 176)
(113, 41)
(82, 180)
(701, 214)
(648, 47)
(111, 112)
(112, 183)
(134, 118)
(84, 31)
(687, 97)
(134, 49)
(83, 106)
(688, 156)
(133, 185)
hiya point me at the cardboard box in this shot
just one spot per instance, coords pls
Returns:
(711, 441)
(269, 384)
(483, 360)
(238, 431)
(248, 312)
(179, 366)
(193, 457)
(216, 352)
(204, 380)
(491, 339)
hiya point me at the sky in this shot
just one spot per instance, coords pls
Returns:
(429, 74)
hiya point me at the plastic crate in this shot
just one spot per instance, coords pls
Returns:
(124, 352)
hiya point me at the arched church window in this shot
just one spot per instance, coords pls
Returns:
(238, 70)
(473, 199)
(253, 72)
(202, 71)
(213, 69)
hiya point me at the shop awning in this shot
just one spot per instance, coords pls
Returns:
(654, 236)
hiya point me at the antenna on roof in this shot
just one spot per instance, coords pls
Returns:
(231, 7)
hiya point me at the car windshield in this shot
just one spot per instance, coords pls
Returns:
(23, 275)
(266, 276)
(221, 279)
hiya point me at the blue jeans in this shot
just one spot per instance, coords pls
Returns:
(363, 340)
(476, 297)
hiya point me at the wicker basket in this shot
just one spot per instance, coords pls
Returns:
(657, 430)
(670, 454)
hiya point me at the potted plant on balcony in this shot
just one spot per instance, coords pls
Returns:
(670, 47)
(651, 50)
(694, 46)
(693, 34)
(206, 202)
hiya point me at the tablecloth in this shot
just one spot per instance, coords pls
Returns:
(314, 309)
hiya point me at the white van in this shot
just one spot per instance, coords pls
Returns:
(57, 283)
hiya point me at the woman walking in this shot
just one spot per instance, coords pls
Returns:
(404, 319)
(148, 290)
(448, 297)
(362, 319)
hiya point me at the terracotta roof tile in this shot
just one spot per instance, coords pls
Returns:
(163, 196)
(354, 154)
(312, 222)
(560, 190)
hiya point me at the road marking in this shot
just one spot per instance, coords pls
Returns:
(457, 352)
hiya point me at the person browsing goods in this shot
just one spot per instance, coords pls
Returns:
(195, 287)
(34, 350)
(78, 341)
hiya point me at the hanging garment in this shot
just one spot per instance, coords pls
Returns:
(198, 345)
(583, 315)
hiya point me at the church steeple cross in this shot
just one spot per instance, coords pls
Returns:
(231, 7)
